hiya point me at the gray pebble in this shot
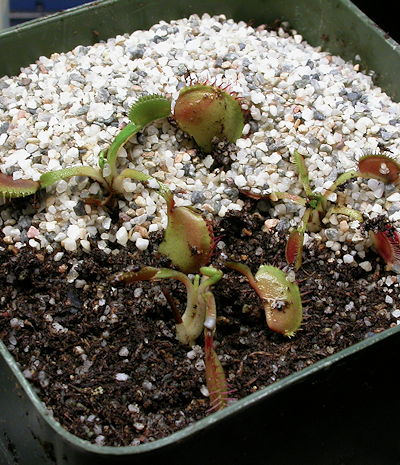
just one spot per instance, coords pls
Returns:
(283, 225)
(25, 81)
(232, 193)
(103, 95)
(230, 57)
(4, 127)
(77, 77)
(158, 39)
(318, 115)
(181, 70)
(24, 222)
(254, 126)
(24, 237)
(389, 188)
(82, 50)
(137, 53)
(197, 197)
(385, 135)
(331, 234)
(326, 148)
(301, 83)
(82, 110)
(394, 208)
(188, 170)
(79, 209)
(353, 96)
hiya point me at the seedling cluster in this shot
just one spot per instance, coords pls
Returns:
(206, 112)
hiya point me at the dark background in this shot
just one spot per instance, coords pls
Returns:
(380, 11)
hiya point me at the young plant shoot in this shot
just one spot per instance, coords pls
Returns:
(281, 297)
(190, 325)
(145, 111)
(207, 111)
(316, 208)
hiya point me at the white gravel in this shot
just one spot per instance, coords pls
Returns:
(63, 110)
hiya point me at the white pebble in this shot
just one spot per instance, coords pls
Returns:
(121, 377)
(347, 258)
(122, 235)
(141, 243)
(366, 266)
(69, 244)
(73, 232)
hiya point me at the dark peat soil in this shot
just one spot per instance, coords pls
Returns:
(72, 332)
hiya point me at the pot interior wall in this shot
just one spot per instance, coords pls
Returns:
(336, 25)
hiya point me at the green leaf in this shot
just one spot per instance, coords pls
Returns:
(344, 177)
(148, 109)
(13, 188)
(188, 239)
(294, 248)
(350, 212)
(303, 172)
(282, 301)
(215, 376)
(206, 111)
(120, 140)
(47, 179)
(275, 196)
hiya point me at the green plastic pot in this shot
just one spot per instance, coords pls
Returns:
(343, 410)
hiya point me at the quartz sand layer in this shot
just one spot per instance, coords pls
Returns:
(64, 109)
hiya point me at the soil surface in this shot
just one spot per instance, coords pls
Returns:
(105, 360)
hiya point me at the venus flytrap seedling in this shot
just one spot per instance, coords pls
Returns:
(207, 111)
(317, 206)
(199, 315)
(145, 111)
(380, 167)
(281, 297)
(203, 111)
(190, 325)
(316, 209)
